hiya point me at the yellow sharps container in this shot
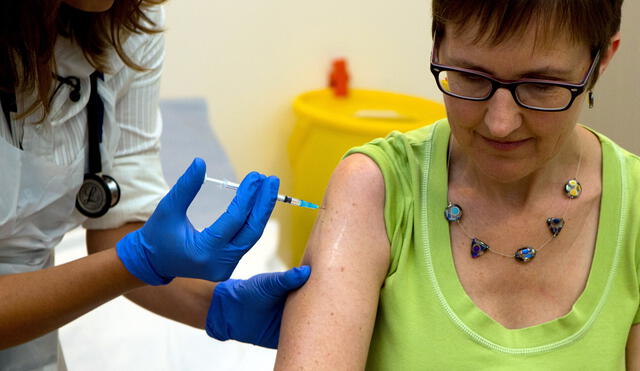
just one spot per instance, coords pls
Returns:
(327, 126)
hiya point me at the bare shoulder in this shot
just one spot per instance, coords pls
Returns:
(359, 176)
(354, 204)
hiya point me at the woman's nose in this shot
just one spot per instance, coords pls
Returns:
(503, 115)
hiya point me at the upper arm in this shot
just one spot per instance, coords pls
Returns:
(328, 323)
(633, 348)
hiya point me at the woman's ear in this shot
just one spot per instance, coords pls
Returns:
(614, 44)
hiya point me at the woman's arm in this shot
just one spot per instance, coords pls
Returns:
(193, 295)
(35, 303)
(328, 323)
(633, 348)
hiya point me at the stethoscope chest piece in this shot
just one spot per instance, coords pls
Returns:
(97, 194)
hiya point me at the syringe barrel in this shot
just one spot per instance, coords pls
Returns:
(231, 185)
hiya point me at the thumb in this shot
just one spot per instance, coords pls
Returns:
(296, 277)
(279, 284)
(188, 185)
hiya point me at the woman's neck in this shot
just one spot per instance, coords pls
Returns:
(539, 184)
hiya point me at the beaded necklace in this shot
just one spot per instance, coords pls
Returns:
(453, 213)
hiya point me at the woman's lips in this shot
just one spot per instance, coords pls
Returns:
(505, 145)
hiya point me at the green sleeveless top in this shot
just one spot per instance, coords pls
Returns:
(425, 319)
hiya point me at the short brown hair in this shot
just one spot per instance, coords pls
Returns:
(28, 32)
(592, 22)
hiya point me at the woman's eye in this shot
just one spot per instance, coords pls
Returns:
(470, 77)
(541, 87)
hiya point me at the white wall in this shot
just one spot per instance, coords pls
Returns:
(250, 58)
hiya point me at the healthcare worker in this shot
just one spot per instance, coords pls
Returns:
(79, 144)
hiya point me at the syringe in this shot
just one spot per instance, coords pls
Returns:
(282, 198)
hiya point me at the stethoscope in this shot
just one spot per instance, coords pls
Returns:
(98, 192)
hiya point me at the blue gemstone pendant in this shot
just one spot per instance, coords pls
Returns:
(478, 248)
(555, 225)
(525, 254)
(453, 212)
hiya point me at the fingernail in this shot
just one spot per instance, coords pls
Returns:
(198, 165)
(254, 179)
(274, 182)
(303, 271)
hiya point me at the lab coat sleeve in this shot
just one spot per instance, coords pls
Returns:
(136, 162)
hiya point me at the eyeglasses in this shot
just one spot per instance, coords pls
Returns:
(535, 94)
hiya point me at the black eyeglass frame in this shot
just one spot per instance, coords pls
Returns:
(574, 89)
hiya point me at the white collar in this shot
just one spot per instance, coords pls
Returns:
(70, 61)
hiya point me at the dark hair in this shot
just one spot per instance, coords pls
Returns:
(592, 22)
(28, 32)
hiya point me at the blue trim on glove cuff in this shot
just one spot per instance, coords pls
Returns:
(132, 252)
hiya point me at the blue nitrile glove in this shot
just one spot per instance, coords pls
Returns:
(251, 311)
(168, 246)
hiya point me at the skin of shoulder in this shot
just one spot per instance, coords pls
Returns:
(328, 323)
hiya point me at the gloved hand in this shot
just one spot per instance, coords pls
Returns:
(251, 311)
(168, 245)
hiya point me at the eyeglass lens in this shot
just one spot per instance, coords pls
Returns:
(474, 86)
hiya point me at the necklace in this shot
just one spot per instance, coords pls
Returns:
(453, 213)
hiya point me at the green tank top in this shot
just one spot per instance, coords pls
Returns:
(425, 319)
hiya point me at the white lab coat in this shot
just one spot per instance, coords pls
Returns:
(39, 184)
